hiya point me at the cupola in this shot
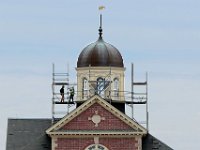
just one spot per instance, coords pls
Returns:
(100, 71)
(100, 53)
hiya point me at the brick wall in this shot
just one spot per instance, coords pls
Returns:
(110, 143)
(81, 122)
(111, 122)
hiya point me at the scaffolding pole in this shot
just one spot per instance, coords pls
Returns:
(140, 98)
(132, 89)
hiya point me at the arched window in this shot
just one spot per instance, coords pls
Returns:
(96, 147)
(100, 86)
(85, 89)
(116, 87)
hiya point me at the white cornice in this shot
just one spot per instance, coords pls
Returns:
(101, 68)
(96, 133)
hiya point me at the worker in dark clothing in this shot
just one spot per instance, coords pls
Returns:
(62, 94)
(71, 97)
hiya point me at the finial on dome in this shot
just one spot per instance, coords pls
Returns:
(100, 27)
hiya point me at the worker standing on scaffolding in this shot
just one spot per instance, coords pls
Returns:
(71, 97)
(62, 94)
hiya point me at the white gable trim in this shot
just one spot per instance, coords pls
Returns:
(122, 116)
(72, 115)
(103, 103)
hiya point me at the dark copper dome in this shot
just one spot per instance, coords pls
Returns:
(100, 54)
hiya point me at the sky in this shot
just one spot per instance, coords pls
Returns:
(161, 37)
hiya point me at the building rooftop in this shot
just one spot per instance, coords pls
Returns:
(29, 134)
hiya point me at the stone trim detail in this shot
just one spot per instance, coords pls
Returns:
(138, 143)
(96, 140)
(54, 143)
(96, 118)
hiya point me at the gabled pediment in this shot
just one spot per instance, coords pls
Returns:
(96, 116)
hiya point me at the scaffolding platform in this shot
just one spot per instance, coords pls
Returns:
(140, 83)
(60, 83)
(64, 102)
(112, 101)
(130, 102)
(126, 102)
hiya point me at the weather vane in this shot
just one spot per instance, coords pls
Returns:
(101, 7)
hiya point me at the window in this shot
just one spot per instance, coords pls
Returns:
(116, 87)
(85, 89)
(96, 147)
(100, 86)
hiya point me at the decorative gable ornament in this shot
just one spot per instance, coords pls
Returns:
(96, 119)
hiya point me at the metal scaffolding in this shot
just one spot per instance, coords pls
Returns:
(133, 99)
(59, 109)
(139, 96)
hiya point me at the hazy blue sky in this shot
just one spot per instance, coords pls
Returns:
(158, 36)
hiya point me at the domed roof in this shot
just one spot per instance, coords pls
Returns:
(99, 54)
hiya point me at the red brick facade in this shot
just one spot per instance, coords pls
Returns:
(110, 143)
(111, 122)
(108, 122)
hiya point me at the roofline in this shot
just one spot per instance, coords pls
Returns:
(10, 118)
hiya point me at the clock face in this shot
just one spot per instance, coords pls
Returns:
(96, 147)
